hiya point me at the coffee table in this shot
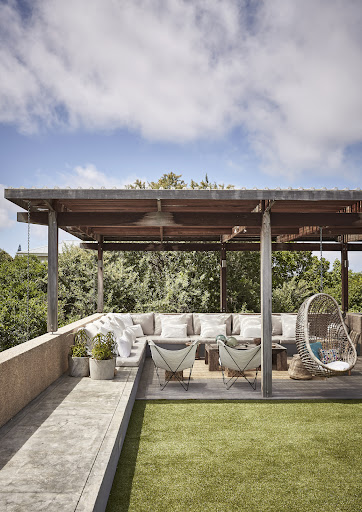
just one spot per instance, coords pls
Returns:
(279, 356)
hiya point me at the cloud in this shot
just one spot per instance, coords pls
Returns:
(289, 73)
(7, 211)
(89, 176)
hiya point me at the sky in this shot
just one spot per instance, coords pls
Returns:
(252, 93)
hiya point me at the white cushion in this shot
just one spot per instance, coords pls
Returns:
(338, 365)
(288, 325)
(91, 330)
(277, 325)
(137, 329)
(186, 319)
(145, 320)
(98, 323)
(172, 319)
(212, 330)
(252, 331)
(114, 327)
(119, 322)
(215, 318)
(124, 343)
(250, 326)
(125, 317)
(170, 330)
(130, 333)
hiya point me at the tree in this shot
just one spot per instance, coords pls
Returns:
(21, 307)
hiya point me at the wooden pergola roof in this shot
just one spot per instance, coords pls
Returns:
(185, 215)
(197, 220)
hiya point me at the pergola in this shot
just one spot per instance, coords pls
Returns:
(197, 220)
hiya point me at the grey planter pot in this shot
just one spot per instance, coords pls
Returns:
(78, 366)
(102, 370)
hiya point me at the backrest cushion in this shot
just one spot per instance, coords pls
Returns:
(288, 325)
(145, 320)
(177, 318)
(212, 318)
(125, 317)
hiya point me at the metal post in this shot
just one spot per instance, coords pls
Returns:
(223, 278)
(100, 302)
(52, 272)
(266, 305)
(344, 275)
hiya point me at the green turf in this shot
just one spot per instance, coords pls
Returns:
(241, 456)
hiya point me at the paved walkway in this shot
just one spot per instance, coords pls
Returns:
(55, 455)
(207, 385)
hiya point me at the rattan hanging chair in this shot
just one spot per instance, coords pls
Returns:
(322, 339)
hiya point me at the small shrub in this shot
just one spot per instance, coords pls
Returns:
(79, 349)
(103, 346)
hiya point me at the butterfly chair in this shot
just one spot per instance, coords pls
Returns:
(322, 339)
(173, 361)
(239, 361)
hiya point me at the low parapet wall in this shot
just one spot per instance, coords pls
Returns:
(28, 369)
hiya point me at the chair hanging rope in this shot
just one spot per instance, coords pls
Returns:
(321, 262)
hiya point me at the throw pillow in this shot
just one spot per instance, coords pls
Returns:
(125, 317)
(129, 333)
(114, 327)
(212, 330)
(288, 325)
(215, 318)
(145, 320)
(329, 355)
(316, 347)
(124, 343)
(137, 329)
(250, 326)
(277, 325)
(170, 330)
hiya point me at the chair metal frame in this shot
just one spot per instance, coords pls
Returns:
(251, 360)
(187, 352)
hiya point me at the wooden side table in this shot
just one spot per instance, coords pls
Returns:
(279, 357)
(212, 357)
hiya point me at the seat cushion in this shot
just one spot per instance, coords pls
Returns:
(135, 357)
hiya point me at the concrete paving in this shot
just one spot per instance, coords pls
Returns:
(60, 452)
(205, 385)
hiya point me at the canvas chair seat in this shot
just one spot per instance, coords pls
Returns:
(239, 361)
(173, 361)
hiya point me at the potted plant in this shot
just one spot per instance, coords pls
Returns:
(78, 358)
(102, 362)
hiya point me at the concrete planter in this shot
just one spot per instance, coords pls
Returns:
(103, 369)
(78, 366)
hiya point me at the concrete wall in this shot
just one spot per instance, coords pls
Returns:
(28, 369)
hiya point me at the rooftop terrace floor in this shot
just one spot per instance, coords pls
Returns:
(60, 452)
(205, 385)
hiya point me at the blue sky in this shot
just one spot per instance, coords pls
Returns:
(255, 94)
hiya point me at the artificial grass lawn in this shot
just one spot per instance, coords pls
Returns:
(241, 455)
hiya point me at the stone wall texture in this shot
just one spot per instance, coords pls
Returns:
(28, 369)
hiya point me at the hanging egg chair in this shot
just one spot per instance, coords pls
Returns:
(322, 340)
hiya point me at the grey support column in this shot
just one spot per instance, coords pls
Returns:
(266, 305)
(52, 272)
(223, 278)
(100, 302)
